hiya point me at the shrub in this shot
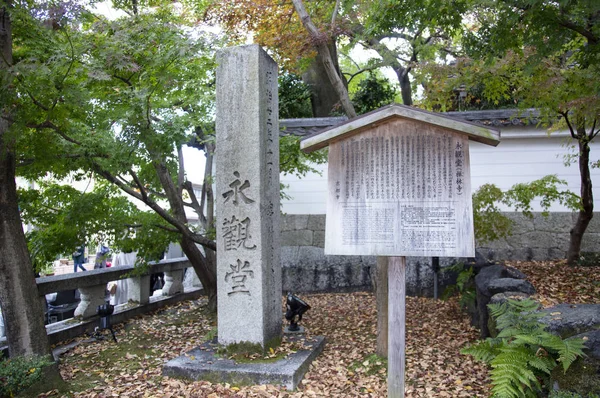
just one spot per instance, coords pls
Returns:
(523, 353)
(17, 374)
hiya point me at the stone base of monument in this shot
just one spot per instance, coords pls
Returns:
(203, 363)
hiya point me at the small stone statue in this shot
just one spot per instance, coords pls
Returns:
(295, 308)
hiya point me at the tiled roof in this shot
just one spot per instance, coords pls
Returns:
(492, 118)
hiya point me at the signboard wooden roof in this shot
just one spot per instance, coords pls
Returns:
(475, 132)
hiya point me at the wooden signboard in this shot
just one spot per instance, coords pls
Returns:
(399, 185)
(400, 189)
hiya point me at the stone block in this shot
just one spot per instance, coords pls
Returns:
(289, 255)
(319, 239)
(521, 223)
(536, 240)
(314, 255)
(559, 223)
(297, 238)
(202, 363)
(316, 222)
(567, 320)
(502, 285)
(590, 242)
(593, 227)
(294, 222)
(138, 289)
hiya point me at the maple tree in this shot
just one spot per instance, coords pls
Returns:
(535, 54)
(115, 101)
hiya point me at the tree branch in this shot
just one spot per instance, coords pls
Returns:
(181, 171)
(335, 11)
(181, 227)
(565, 114)
(189, 187)
(59, 86)
(49, 125)
(363, 70)
(123, 79)
(139, 184)
(566, 23)
(592, 134)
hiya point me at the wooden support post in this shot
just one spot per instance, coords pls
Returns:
(435, 265)
(381, 296)
(396, 326)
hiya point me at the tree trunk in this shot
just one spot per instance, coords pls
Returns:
(390, 59)
(381, 297)
(587, 199)
(19, 298)
(322, 46)
(206, 272)
(204, 268)
(324, 98)
(405, 87)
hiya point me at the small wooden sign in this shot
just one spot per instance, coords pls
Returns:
(400, 189)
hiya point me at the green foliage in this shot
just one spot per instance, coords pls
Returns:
(373, 93)
(294, 97)
(523, 353)
(65, 217)
(546, 189)
(113, 100)
(490, 224)
(464, 286)
(19, 373)
(589, 259)
(293, 161)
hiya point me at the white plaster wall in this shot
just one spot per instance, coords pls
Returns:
(523, 155)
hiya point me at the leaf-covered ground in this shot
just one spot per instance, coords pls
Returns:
(436, 331)
(557, 283)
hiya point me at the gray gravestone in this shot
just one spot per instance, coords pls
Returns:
(247, 197)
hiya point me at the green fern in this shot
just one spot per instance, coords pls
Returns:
(464, 286)
(523, 353)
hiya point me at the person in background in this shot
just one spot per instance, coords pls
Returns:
(101, 256)
(79, 258)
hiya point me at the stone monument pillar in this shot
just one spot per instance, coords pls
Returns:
(247, 198)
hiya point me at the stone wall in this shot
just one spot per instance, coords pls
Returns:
(306, 268)
(541, 238)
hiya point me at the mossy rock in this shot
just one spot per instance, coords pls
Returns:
(247, 348)
(582, 377)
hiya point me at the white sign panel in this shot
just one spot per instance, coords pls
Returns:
(400, 189)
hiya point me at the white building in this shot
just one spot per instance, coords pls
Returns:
(526, 153)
